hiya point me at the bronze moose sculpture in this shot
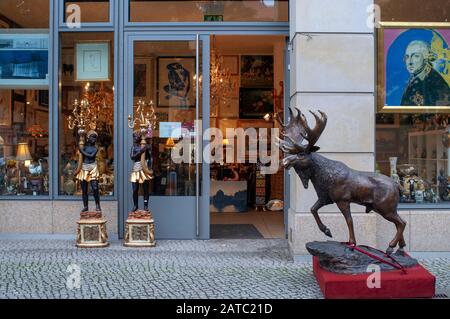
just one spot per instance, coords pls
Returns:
(335, 182)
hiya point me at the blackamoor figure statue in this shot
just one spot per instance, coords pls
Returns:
(140, 174)
(89, 171)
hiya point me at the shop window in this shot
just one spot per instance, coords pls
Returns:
(412, 128)
(87, 74)
(208, 11)
(24, 99)
(24, 142)
(95, 11)
(18, 14)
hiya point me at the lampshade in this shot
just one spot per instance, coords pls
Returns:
(170, 143)
(23, 152)
(225, 142)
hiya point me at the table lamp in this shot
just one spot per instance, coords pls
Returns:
(23, 154)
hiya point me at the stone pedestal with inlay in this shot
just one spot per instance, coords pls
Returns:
(140, 229)
(91, 231)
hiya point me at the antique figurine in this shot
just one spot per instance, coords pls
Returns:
(89, 171)
(443, 185)
(140, 174)
(335, 182)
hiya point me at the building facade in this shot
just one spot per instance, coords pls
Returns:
(326, 55)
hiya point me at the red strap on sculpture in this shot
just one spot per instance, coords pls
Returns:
(394, 262)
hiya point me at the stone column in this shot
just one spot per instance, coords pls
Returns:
(332, 69)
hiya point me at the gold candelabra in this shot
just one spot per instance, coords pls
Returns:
(81, 118)
(146, 121)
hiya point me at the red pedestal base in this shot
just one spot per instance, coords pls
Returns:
(416, 283)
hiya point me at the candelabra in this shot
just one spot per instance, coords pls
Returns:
(146, 122)
(81, 118)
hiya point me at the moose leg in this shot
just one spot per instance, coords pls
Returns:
(344, 207)
(315, 211)
(400, 224)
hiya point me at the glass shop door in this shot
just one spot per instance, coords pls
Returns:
(168, 76)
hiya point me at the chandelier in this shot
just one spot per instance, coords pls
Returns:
(101, 102)
(221, 85)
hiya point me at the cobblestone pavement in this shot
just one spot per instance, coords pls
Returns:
(174, 269)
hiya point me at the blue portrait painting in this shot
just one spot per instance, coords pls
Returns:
(417, 65)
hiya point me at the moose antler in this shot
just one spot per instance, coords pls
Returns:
(297, 130)
(312, 135)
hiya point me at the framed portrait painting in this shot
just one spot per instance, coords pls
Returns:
(92, 61)
(413, 67)
(176, 83)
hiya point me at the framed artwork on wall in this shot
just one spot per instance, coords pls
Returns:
(413, 67)
(24, 60)
(19, 112)
(144, 79)
(92, 61)
(255, 103)
(175, 82)
(257, 71)
(5, 108)
(43, 97)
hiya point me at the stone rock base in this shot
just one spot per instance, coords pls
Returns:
(339, 258)
(91, 231)
(140, 229)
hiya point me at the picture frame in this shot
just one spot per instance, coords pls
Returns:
(43, 99)
(19, 112)
(175, 82)
(92, 61)
(254, 103)
(405, 85)
(5, 108)
(144, 84)
(31, 70)
(257, 71)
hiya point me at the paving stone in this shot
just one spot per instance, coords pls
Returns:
(216, 269)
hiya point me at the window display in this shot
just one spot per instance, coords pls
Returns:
(24, 142)
(413, 149)
(98, 95)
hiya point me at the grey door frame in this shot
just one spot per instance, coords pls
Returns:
(195, 209)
